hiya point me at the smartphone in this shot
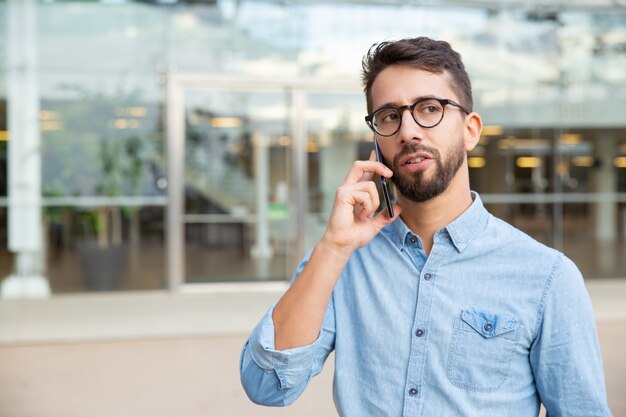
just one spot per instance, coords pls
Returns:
(383, 182)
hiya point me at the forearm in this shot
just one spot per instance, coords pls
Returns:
(299, 314)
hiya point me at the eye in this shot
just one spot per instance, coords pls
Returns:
(386, 116)
(429, 107)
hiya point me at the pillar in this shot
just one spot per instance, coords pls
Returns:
(605, 183)
(24, 176)
(262, 248)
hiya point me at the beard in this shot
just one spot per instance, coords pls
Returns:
(416, 186)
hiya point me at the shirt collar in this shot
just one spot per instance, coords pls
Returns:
(469, 224)
(462, 230)
(398, 231)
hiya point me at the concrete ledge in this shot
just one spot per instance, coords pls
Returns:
(609, 299)
(222, 311)
(87, 318)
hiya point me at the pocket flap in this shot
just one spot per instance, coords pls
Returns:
(489, 325)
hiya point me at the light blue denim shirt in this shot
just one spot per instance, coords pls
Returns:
(491, 323)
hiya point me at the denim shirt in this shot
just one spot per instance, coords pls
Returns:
(491, 323)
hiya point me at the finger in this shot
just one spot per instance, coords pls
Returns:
(360, 168)
(368, 176)
(363, 205)
(345, 193)
(370, 188)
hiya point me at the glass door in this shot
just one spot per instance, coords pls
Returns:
(232, 222)
(337, 135)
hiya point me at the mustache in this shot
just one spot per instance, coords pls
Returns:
(413, 147)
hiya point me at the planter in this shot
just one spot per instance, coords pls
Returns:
(103, 267)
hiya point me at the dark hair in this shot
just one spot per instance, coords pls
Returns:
(422, 53)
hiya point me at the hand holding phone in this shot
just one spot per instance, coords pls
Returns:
(383, 182)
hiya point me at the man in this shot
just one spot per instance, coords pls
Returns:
(442, 310)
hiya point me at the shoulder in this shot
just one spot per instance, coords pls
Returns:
(558, 272)
(566, 278)
(517, 244)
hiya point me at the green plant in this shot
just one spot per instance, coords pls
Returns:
(121, 162)
(134, 151)
(108, 218)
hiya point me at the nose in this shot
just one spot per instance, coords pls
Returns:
(409, 129)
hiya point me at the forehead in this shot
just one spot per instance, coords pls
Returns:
(400, 85)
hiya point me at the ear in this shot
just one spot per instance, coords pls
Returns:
(473, 128)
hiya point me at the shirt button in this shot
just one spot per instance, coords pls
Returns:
(413, 239)
(419, 333)
(427, 276)
(488, 327)
(412, 392)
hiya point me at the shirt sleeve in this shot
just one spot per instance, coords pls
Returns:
(277, 378)
(565, 356)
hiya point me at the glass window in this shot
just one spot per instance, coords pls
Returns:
(237, 186)
(103, 158)
(102, 182)
(548, 84)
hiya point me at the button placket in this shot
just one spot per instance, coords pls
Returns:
(422, 323)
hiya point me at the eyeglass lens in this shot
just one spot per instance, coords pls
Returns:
(426, 113)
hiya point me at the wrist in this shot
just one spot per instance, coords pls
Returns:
(330, 247)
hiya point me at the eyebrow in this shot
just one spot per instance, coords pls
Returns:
(391, 104)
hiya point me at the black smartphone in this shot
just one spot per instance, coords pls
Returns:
(383, 182)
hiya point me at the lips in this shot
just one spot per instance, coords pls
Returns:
(415, 158)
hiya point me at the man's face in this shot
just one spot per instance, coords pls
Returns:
(424, 161)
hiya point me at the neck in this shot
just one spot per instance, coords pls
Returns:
(427, 217)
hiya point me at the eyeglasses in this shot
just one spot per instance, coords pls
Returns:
(427, 112)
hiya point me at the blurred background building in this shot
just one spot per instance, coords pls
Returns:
(202, 141)
(160, 147)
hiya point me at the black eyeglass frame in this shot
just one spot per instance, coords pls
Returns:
(369, 119)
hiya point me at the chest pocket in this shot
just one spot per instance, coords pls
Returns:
(481, 350)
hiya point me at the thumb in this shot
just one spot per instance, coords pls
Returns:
(383, 219)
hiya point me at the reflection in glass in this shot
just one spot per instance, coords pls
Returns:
(237, 151)
(76, 262)
(335, 133)
(562, 188)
